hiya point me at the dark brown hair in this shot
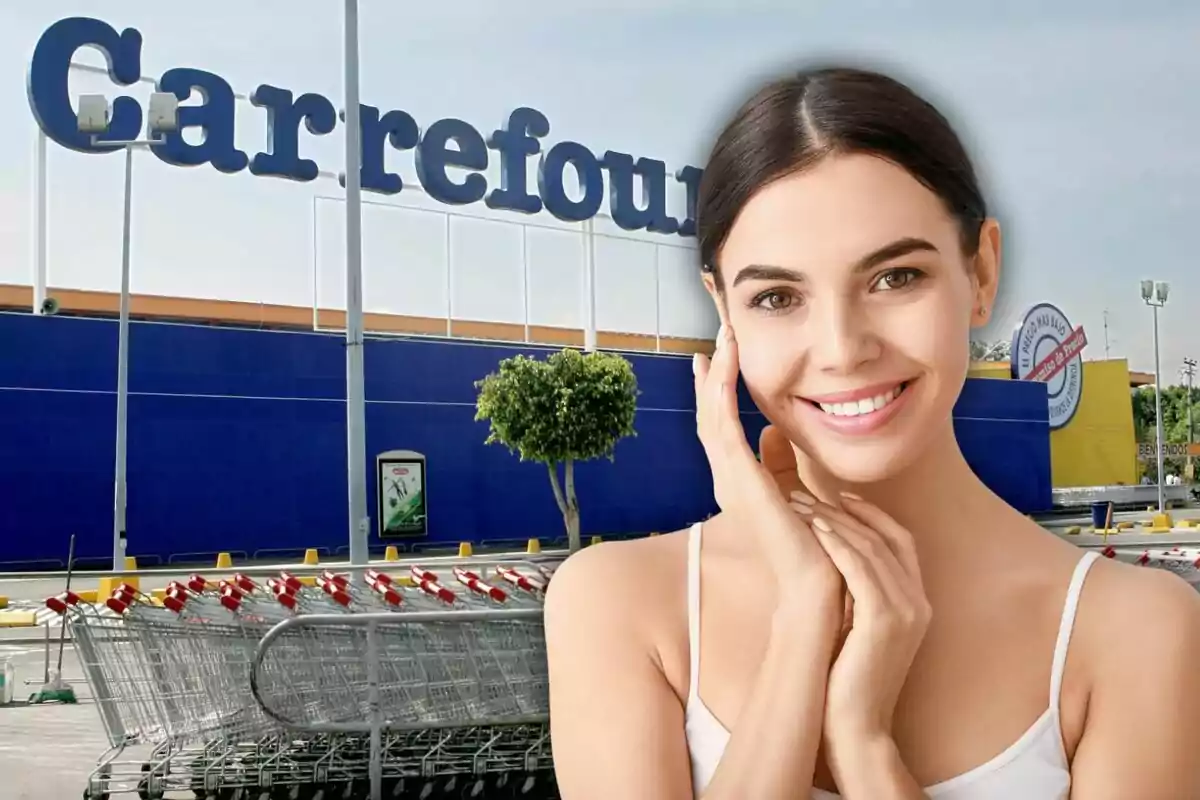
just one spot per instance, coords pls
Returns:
(792, 123)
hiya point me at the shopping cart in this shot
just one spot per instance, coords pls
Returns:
(391, 686)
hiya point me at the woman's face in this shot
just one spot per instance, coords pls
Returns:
(852, 303)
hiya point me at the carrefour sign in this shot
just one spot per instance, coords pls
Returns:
(1046, 348)
(450, 155)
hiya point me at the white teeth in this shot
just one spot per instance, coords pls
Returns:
(859, 407)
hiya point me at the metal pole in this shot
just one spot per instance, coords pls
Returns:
(1158, 420)
(589, 286)
(356, 444)
(123, 373)
(39, 223)
(1189, 367)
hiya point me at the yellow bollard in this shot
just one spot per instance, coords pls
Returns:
(595, 540)
(533, 546)
(224, 561)
(1073, 530)
(655, 533)
(464, 550)
(131, 563)
(391, 554)
(311, 559)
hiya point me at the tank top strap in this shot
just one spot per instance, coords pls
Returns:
(693, 610)
(1067, 624)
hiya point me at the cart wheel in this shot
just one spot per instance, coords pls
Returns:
(87, 795)
(144, 792)
(473, 789)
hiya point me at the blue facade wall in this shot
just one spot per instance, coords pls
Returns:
(237, 442)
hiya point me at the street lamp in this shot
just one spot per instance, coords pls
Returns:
(162, 116)
(1189, 375)
(1154, 294)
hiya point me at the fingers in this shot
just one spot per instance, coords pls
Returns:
(777, 456)
(716, 397)
(895, 584)
(862, 583)
(897, 537)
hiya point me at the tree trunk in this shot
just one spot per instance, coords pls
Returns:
(568, 505)
(572, 513)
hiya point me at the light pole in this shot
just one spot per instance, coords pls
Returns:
(356, 439)
(162, 116)
(1189, 372)
(1154, 294)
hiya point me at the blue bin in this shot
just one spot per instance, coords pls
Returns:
(1100, 513)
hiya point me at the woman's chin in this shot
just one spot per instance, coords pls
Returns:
(875, 463)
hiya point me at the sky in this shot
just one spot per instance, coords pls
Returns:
(1081, 115)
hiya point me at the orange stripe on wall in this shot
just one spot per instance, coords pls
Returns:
(232, 312)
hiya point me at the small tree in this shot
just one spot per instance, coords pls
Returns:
(570, 407)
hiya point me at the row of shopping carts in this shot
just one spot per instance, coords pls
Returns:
(1183, 561)
(423, 684)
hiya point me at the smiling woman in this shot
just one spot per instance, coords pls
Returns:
(875, 621)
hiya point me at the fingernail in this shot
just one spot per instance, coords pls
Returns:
(800, 508)
(695, 363)
(801, 497)
(821, 525)
(851, 496)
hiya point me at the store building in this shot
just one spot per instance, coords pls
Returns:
(236, 429)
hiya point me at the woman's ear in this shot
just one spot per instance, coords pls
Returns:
(714, 292)
(986, 277)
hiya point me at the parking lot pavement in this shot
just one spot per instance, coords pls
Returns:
(47, 751)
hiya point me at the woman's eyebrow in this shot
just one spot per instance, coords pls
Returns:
(900, 247)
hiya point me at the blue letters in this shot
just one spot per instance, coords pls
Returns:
(396, 128)
(214, 117)
(653, 218)
(690, 178)
(282, 158)
(591, 180)
(516, 143)
(447, 144)
(433, 157)
(48, 80)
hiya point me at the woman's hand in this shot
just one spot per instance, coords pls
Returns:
(746, 490)
(888, 617)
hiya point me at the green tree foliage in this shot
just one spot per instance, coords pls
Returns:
(1175, 420)
(569, 407)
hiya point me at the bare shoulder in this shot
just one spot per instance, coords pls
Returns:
(1141, 621)
(626, 584)
(1141, 640)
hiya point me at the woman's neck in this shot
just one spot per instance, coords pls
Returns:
(939, 498)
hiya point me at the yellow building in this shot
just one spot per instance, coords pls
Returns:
(1098, 446)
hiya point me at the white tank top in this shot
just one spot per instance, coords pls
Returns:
(1034, 767)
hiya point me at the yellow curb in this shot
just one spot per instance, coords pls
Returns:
(1074, 530)
(1124, 526)
(89, 596)
(3, 601)
(18, 619)
(110, 582)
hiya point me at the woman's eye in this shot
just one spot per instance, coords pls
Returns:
(773, 300)
(896, 279)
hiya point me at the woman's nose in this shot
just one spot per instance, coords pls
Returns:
(841, 336)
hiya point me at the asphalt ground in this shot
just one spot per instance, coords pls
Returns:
(48, 751)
